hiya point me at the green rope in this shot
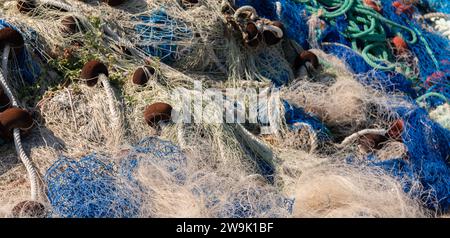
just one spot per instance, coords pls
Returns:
(365, 27)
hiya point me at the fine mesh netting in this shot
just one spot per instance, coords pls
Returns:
(94, 187)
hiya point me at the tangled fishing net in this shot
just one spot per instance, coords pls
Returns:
(127, 108)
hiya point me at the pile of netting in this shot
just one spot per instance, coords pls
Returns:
(231, 108)
(364, 34)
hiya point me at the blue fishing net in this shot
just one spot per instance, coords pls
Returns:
(256, 202)
(431, 49)
(162, 153)
(162, 35)
(273, 67)
(428, 158)
(383, 80)
(24, 66)
(89, 188)
(94, 187)
(293, 16)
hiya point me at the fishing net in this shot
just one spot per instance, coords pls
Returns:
(306, 156)
(88, 188)
(79, 115)
(163, 36)
(94, 187)
(293, 16)
(148, 181)
(344, 190)
(22, 66)
(427, 160)
(430, 59)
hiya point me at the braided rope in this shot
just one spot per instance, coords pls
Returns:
(32, 174)
(115, 117)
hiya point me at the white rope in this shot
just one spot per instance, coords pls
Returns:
(111, 101)
(442, 25)
(436, 15)
(5, 85)
(350, 139)
(279, 8)
(32, 174)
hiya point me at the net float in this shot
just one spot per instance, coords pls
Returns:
(372, 4)
(157, 112)
(11, 37)
(252, 36)
(306, 57)
(400, 44)
(30, 209)
(142, 75)
(396, 130)
(91, 72)
(273, 33)
(13, 118)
